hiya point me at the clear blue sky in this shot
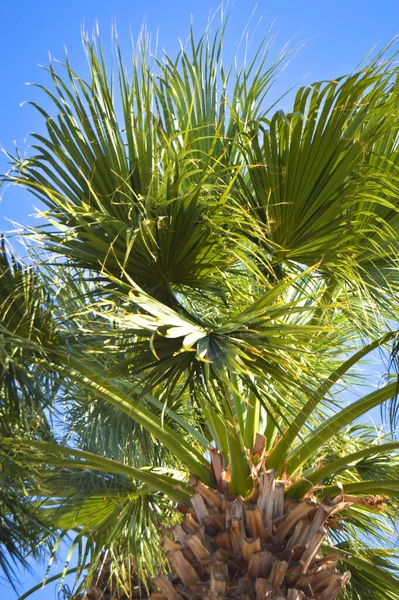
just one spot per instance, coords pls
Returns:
(336, 36)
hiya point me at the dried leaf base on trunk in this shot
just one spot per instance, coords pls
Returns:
(263, 547)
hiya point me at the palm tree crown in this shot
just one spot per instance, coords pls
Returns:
(175, 360)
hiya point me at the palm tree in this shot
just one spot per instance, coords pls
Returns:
(177, 358)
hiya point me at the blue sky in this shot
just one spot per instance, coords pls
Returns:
(334, 37)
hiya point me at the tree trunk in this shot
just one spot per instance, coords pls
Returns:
(263, 547)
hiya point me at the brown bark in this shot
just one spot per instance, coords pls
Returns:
(253, 549)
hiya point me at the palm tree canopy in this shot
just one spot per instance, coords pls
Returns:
(211, 273)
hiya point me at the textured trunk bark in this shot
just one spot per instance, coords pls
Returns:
(263, 547)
